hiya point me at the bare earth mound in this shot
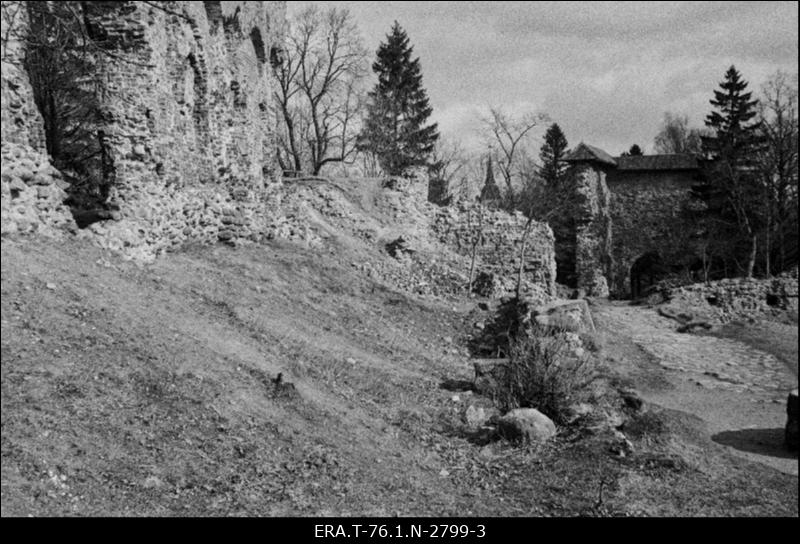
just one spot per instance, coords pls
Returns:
(130, 390)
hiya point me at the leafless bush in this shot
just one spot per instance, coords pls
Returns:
(542, 373)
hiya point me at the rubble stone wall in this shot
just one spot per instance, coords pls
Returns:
(498, 251)
(646, 217)
(740, 298)
(31, 190)
(21, 122)
(184, 94)
(592, 229)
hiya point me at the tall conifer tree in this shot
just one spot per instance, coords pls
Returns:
(552, 156)
(732, 192)
(395, 129)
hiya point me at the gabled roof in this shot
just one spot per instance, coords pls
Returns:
(585, 152)
(589, 153)
(658, 162)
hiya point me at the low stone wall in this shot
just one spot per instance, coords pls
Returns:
(498, 251)
(164, 218)
(33, 193)
(731, 299)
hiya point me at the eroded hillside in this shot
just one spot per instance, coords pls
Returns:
(130, 389)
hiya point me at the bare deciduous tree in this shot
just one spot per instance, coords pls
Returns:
(508, 135)
(676, 136)
(777, 163)
(476, 238)
(448, 161)
(320, 93)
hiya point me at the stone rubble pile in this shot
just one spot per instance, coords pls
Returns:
(738, 298)
(33, 192)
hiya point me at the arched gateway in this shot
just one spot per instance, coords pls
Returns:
(625, 209)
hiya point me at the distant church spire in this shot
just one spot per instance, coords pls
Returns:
(490, 193)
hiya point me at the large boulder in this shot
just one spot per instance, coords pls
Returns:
(791, 420)
(526, 425)
(572, 315)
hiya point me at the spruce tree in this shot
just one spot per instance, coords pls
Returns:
(394, 129)
(634, 151)
(735, 137)
(552, 156)
(732, 192)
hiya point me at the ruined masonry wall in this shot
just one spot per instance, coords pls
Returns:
(32, 193)
(740, 298)
(190, 130)
(592, 230)
(498, 254)
(31, 190)
(646, 215)
(185, 100)
(21, 122)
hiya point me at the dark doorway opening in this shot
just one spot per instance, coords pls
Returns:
(646, 271)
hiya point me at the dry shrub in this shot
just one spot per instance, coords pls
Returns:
(542, 373)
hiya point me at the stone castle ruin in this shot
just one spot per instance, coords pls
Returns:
(626, 213)
(177, 121)
(180, 124)
(176, 116)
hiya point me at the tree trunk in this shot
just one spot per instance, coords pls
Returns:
(751, 260)
(522, 257)
(767, 247)
(471, 269)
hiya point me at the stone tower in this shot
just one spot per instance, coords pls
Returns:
(591, 213)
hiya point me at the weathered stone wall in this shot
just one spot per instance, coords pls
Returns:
(739, 298)
(593, 233)
(33, 193)
(188, 90)
(184, 93)
(646, 218)
(21, 122)
(31, 190)
(499, 251)
(188, 128)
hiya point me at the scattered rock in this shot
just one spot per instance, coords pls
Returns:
(526, 425)
(477, 416)
(689, 327)
(579, 411)
(632, 399)
(570, 314)
(620, 445)
(152, 482)
(399, 247)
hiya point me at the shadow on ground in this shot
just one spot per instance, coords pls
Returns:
(761, 441)
(456, 385)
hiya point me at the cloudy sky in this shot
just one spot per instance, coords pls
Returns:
(605, 71)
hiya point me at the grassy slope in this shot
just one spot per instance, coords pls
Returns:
(134, 391)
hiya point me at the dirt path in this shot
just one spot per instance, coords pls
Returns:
(738, 390)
